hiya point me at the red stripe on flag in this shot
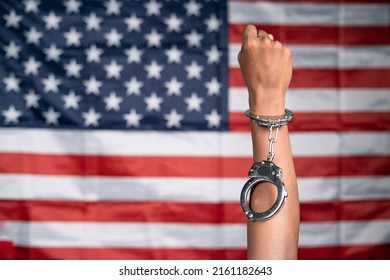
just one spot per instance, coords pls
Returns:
(363, 252)
(126, 211)
(328, 78)
(342, 166)
(177, 212)
(93, 165)
(78, 253)
(345, 210)
(216, 167)
(356, 252)
(324, 121)
(7, 250)
(319, 35)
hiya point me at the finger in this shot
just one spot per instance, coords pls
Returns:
(262, 34)
(249, 31)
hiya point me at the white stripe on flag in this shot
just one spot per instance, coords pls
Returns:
(343, 188)
(344, 233)
(322, 100)
(125, 143)
(118, 188)
(330, 56)
(157, 235)
(138, 235)
(309, 14)
(207, 190)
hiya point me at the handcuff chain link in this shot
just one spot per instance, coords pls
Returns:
(272, 140)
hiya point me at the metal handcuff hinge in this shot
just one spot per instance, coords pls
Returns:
(266, 170)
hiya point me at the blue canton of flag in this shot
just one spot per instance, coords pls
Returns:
(113, 64)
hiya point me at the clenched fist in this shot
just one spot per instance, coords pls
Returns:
(266, 66)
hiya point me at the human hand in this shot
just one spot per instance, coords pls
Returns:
(266, 66)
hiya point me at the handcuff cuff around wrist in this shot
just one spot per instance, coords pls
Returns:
(266, 170)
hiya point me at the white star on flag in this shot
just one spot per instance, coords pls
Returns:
(73, 37)
(213, 119)
(153, 102)
(154, 70)
(31, 66)
(173, 23)
(12, 50)
(53, 53)
(153, 38)
(113, 38)
(33, 36)
(31, 6)
(113, 101)
(213, 24)
(194, 70)
(213, 55)
(213, 87)
(194, 38)
(133, 23)
(134, 54)
(52, 21)
(173, 119)
(51, 116)
(113, 70)
(93, 54)
(173, 86)
(11, 115)
(113, 7)
(132, 118)
(93, 22)
(92, 85)
(193, 8)
(32, 99)
(73, 68)
(133, 86)
(153, 8)
(12, 19)
(174, 54)
(72, 6)
(71, 101)
(194, 102)
(91, 118)
(11, 82)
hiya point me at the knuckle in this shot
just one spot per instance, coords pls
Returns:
(287, 51)
(262, 33)
(266, 43)
(277, 44)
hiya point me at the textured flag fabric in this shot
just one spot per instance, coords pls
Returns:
(122, 133)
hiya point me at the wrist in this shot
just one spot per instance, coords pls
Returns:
(267, 106)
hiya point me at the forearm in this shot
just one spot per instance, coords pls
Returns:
(276, 238)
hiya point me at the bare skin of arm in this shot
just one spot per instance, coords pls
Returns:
(266, 66)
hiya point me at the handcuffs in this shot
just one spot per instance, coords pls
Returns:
(266, 170)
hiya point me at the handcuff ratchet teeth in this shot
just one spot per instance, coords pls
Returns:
(264, 171)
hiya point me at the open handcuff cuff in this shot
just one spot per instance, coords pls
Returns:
(266, 170)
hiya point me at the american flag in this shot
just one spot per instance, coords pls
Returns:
(122, 134)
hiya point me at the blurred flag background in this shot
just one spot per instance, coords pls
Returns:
(122, 134)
